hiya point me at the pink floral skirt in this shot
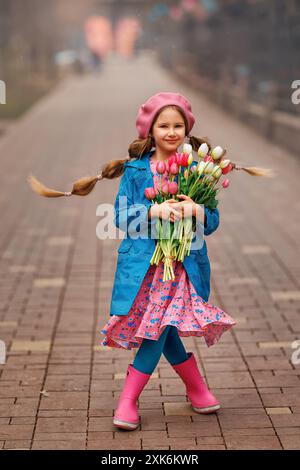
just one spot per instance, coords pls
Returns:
(159, 304)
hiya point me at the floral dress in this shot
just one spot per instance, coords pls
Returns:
(160, 303)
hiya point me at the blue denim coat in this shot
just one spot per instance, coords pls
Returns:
(134, 255)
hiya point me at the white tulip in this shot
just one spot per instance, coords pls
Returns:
(203, 150)
(209, 168)
(216, 167)
(217, 152)
(201, 167)
(224, 163)
(209, 178)
(187, 148)
(217, 172)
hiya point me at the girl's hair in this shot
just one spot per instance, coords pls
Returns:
(115, 168)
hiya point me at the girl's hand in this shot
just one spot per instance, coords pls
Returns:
(188, 206)
(165, 211)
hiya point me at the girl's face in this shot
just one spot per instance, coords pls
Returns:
(169, 130)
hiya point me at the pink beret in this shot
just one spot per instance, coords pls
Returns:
(149, 109)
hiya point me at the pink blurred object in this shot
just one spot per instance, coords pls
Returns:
(189, 5)
(226, 183)
(176, 13)
(98, 35)
(127, 32)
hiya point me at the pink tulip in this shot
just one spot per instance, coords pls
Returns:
(184, 160)
(208, 158)
(160, 167)
(150, 193)
(193, 168)
(173, 187)
(227, 169)
(225, 183)
(172, 159)
(174, 169)
(165, 188)
(178, 157)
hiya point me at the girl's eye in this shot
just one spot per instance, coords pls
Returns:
(164, 125)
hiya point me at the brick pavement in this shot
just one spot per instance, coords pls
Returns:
(58, 387)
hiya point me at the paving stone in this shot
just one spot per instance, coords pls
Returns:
(19, 345)
(59, 445)
(60, 241)
(278, 411)
(285, 420)
(256, 249)
(49, 282)
(275, 344)
(178, 409)
(19, 444)
(8, 324)
(241, 421)
(289, 295)
(63, 424)
(291, 442)
(253, 443)
(205, 428)
(64, 400)
(16, 431)
(233, 281)
(22, 269)
(230, 379)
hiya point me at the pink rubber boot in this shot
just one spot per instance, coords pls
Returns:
(197, 392)
(126, 415)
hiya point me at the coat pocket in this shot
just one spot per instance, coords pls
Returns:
(125, 245)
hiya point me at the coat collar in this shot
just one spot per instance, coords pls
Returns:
(141, 163)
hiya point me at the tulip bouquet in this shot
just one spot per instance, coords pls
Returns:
(201, 182)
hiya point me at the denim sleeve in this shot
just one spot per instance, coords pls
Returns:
(211, 221)
(125, 211)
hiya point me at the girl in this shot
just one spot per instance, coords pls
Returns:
(147, 313)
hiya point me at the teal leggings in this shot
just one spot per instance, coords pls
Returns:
(150, 351)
